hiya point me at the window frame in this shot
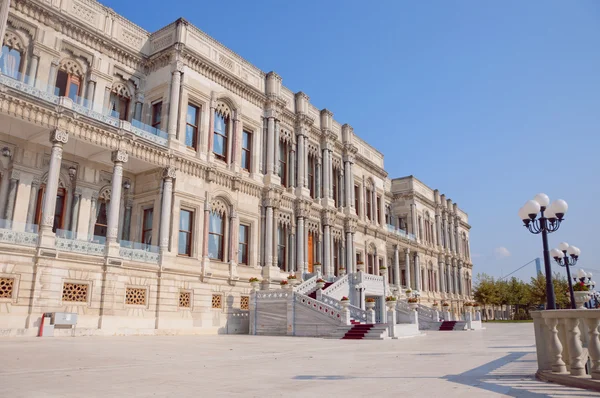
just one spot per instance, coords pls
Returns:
(248, 150)
(221, 255)
(378, 208)
(156, 117)
(195, 127)
(244, 247)
(282, 245)
(144, 230)
(189, 248)
(283, 163)
(311, 176)
(368, 215)
(226, 121)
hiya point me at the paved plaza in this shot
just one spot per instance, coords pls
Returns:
(499, 361)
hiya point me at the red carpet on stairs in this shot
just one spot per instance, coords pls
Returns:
(447, 325)
(358, 332)
(313, 295)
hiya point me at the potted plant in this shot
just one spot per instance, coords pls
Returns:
(317, 267)
(285, 285)
(320, 283)
(390, 301)
(254, 282)
(342, 271)
(435, 305)
(370, 303)
(413, 303)
(360, 265)
(408, 292)
(468, 306)
(581, 290)
(345, 302)
(382, 268)
(293, 280)
(445, 304)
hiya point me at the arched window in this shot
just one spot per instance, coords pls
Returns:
(101, 223)
(59, 210)
(312, 164)
(221, 129)
(120, 99)
(11, 58)
(284, 150)
(69, 79)
(216, 236)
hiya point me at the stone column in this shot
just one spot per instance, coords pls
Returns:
(275, 237)
(300, 246)
(206, 271)
(417, 273)
(349, 254)
(52, 76)
(4, 7)
(459, 278)
(118, 157)
(445, 229)
(276, 145)
(12, 195)
(450, 234)
(58, 138)
(33, 196)
(326, 176)
(91, 91)
(292, 168)
(174, 98)
(270, 142)
(33, 67)
(413, 221)
(407, 266)
(455, 274)
(93, 215)
(442, 275)
(233, 244)
(318, 192)
(211, 127)
(75, 211)
(438, 228)
(348, 159)
(397, 281)
(327, 266)
(169, 174)
(269, 237)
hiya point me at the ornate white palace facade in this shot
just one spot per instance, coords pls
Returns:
(146, 177)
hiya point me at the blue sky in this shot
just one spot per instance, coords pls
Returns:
(490, 102)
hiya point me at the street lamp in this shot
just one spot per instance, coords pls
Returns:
(561, 256)
(550, 217)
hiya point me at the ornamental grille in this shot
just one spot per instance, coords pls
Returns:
(75, 292)
(244, 303)
(185, 299)
(216, 301)
(6, 287)
(135, 296)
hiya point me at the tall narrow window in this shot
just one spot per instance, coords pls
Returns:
(216, 236)
(283, 151)
(336, 256)
(311, 176)
(68, 85)
(191, 126)
(281, 248)
(10, 62)
(156, 114)
(119, 104)
(147, 226)
(243, 244)
(186, 223)
(369, 215)
(378, 217)
(220, 136)
(246, 149)
(101, 219)
(371, 264)
(334, 186)
(356, 198)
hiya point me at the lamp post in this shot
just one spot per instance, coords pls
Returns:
(561, 256)
(550, 217)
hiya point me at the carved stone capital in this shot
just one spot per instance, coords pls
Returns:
(271, 113)
(177, 67)
(327, 217)
(236, 183)
(36, 52)
(351, 224)
(271, 198)
(170, 172)
(119, 156)
(302, 208)
(15, 175)
(36, 182)
(139, 97)
(59, 137)
(211, 174)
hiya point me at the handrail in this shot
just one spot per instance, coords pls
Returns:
(307, 286)
(423, 309)
(337, 285)
(319, 306)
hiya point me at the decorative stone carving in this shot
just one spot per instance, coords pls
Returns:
(119, 156)
(219, 206)
(351, 224)
(59, 136)
(13, 41)
(75, 292)
(121, 90)
(185, 299)
(170, 172)
(177, 67)
(135, 296)
(327, 217)
(217, 301)
(6, 287)
(72, 67)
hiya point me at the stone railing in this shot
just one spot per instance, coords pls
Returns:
(139, 255)
(428, 312)
(565, 341)
(307, 286)
(374, 284)
(357, 313)
(273, 295)
(339, 288)
(80, 246)
(20, 238)
(319, 306)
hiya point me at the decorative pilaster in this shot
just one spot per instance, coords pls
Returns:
(4, 7)
(417, 272)
(169, 174)
(33, 67)
(407, 265)
(33, 196)
(442, 273)
(75, 211)
(397, 266)
(118, 157)
(233, 245)
(126, 232)
(206, 271)
(12, 194)
(91, 91)
(58, 138)
(174, 98)
(52, 75)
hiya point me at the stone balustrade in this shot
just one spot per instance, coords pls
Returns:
(566, 341)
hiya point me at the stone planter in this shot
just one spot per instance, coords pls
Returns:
(413, 306)
(342, 271)
(293, 282)
(390, 305)
(320, 285)
(476, 308)
(317, 268)
(369, 305)
(255, 285)
(580, 299)
(345, 304)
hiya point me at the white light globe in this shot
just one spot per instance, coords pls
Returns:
(577, 251)
(532, 207)
(571, 250)
(549, 213)
(589, 274)
(563, 246)
(580, 273)
(523, 214)
(559, 206)
(542, 199)
(555, 253)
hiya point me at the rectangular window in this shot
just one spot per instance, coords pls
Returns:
(68, 85)
(311, 176)
(403, 281)
(186, 222)
(281, 248)
(147, 226)
(246, 149)
(378, 210)
(156, 114)
(216, 234)
(101, 221)
(356, 198)
(369, 217)
(243, 244)
(334, 186)
(120, 105)
(191, 126)
(283, 163)
(220, 137)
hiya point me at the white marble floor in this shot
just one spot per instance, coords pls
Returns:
(496, 362)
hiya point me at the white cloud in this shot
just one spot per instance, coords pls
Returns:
(502, 252)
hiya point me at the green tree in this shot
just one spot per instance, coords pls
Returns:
(537, 290)
(485, 291)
